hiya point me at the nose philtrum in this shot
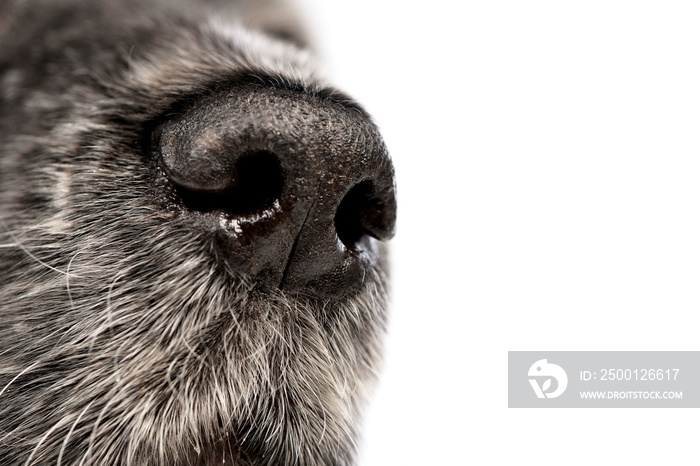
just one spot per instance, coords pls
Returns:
(297, 187)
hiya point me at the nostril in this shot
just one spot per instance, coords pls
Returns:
(256, 182)
(362, 213)
(260, 181)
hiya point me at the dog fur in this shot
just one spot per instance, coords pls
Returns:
(123, 338)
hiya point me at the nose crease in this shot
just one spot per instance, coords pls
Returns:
(293, 248)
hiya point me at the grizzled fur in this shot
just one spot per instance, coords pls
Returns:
(123, 338)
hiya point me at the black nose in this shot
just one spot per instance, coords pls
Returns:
(294, 188)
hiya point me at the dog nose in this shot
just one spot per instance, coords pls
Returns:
(294, 188)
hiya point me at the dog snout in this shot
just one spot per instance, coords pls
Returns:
(294, 188)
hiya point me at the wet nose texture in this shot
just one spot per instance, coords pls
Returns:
(294, 189)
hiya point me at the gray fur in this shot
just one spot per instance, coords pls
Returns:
(123, 340)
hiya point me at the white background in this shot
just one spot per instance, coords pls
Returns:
(548, 164)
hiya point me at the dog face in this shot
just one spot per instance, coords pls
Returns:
(191, 221)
